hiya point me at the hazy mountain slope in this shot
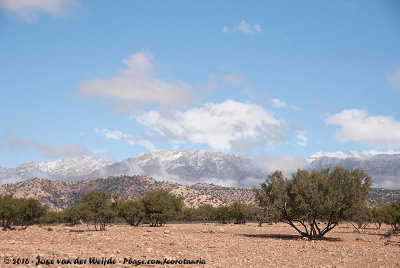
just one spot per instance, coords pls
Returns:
(63, 169)
(190, 167)
(384, 168)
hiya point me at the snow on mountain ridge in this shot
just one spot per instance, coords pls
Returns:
(61, 169)
(350, 154)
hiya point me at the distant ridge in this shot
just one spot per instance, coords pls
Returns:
(59, 195)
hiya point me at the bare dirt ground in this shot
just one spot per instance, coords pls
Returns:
(218, 245)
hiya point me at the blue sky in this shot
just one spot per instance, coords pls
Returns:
(258, 78)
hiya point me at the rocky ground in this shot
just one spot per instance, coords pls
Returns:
(218, 245)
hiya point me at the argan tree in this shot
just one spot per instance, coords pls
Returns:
(313, 203)
(392, 215)
(222, 214)
(99, 208)
(19, 211)
(132, 211)
(378, 216)
(361, 217)
(28, 211)
(205, 213)
(238, 211)
(161, 206)
(8, 211)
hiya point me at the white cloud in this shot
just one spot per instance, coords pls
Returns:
(98, 151)
(234, 78)
(126, 138)
(295, 108)
(393, 79)
(278, 103)
(50, 150)
(137, 85)
(117, 135)
(301, 136)
(374, 131)
(288, 164)
(244, 27)
(28, 10)
(148, 145)
(220, 125)
(350, 154)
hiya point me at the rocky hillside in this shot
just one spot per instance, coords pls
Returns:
(59, 195)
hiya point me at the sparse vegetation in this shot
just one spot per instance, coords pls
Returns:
(311, 197)
(19, 211)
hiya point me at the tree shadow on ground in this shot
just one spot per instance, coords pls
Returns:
(288, 237)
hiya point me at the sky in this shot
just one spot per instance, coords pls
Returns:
(276, 80)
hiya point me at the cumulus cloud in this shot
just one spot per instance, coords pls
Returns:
(117, 135)
(29, 10)
(137, 85)
(220, 125)
(147, 144)
(50, 150)
(278, 103)
(393, 79)
(126, 138)
(243, 27)
(375, 131)
(301, 136)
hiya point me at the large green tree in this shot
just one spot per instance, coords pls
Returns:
(392, 215)
(313, 197)
(19, 211)
(239, 212)
(99, 208)
(161, 206)
(132, 211)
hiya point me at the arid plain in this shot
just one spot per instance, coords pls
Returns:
(229, 245)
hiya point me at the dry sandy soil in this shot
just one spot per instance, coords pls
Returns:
(218, 245)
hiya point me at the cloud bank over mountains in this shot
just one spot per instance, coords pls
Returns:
(190, 167)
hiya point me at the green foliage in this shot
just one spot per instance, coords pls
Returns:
(161, 206)
(222, 214)
(8, 211)
(98, 207)
(75, 213)
(188, 214)
(392, 215)
(29, 210)
(310, 197)
(132, 211)
(362, 217)
(53, 217)
(205, 213)
(19, 211)
(259, 214)
(378, 216)
(239, 212)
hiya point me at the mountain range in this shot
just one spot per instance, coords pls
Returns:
(191, 167)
